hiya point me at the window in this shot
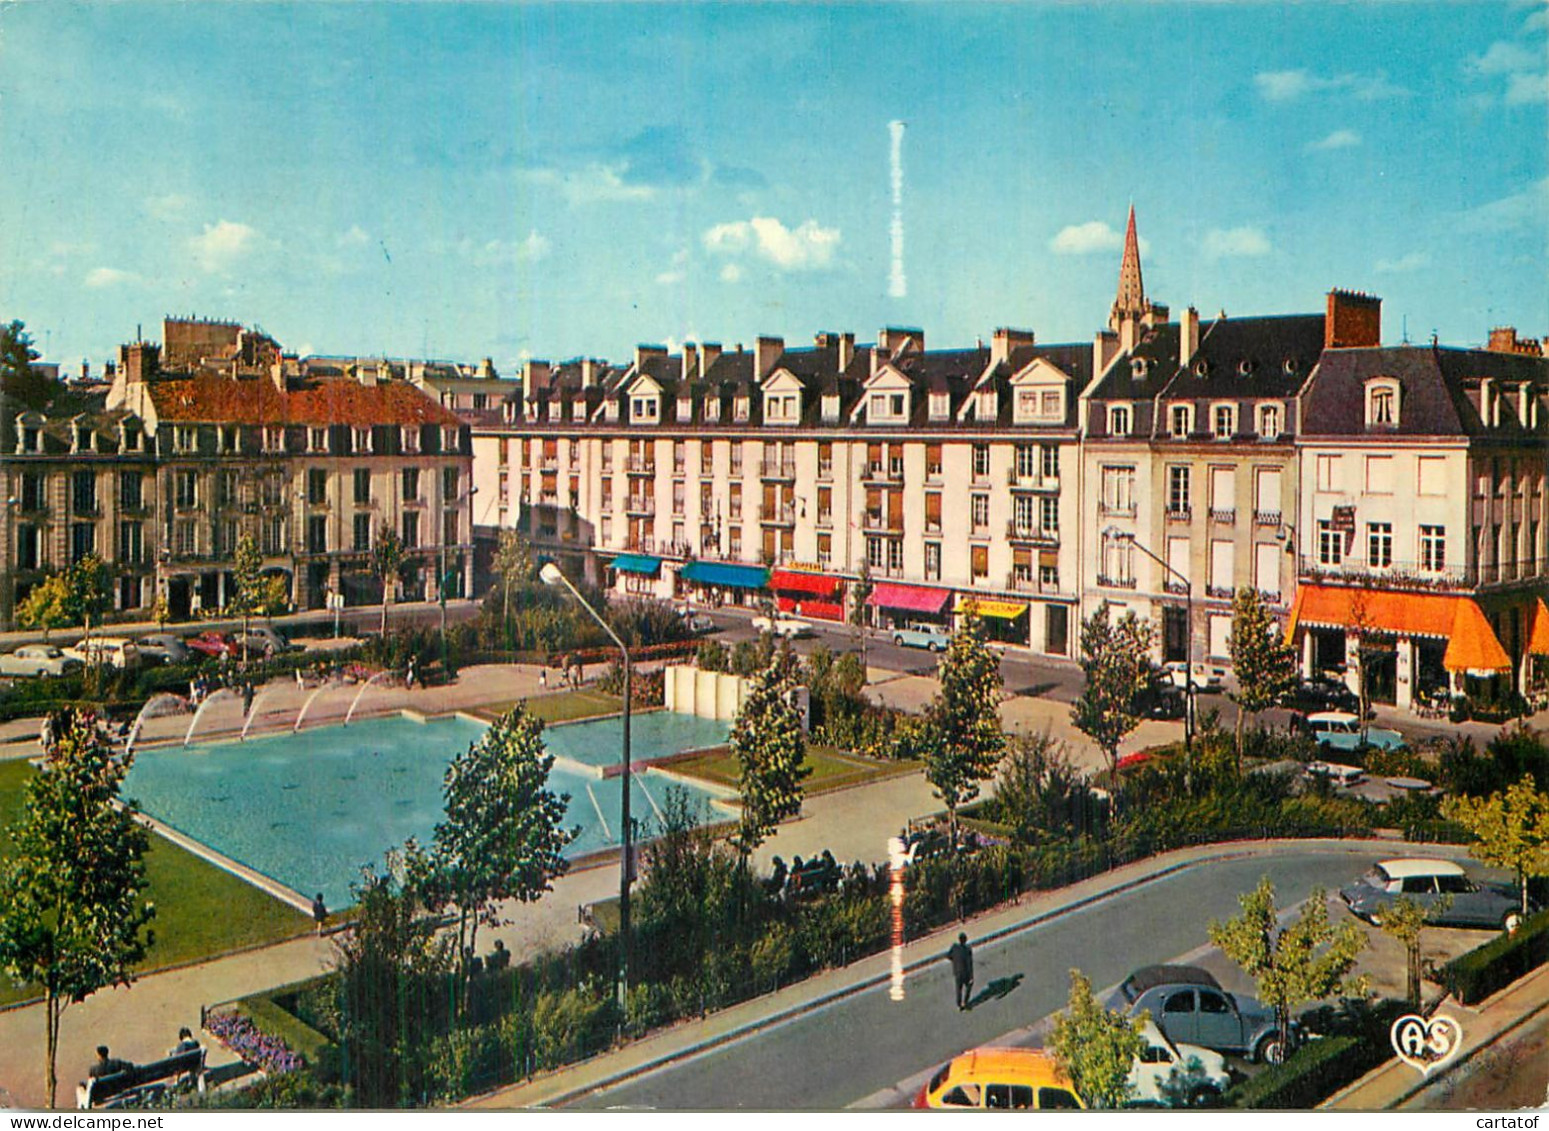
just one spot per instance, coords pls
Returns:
(1431, 475)
(1220, 636)
(1057, 1099)
(896, 404)
(1050, 406)
(187, 537)
(1182, 418)
(411, 484)
(1224, 422)
(317, 486)
(1222, 563)
(362, 541)
(1331, 544)
(1049, 515)
(226, 489)
(1266, 568)
(932, 460)
(185, 439)
(186, 489)
(895, 555)
(317, 439)
(1118, 420)
(1178, 490)
(274, 439)
(643, 408)
(1433, 548)
(933, 561)
(1051, 461)
(273, 536)
(228, 438)
(32, 491)
(360, 441)
(449, 439)
(411, 530)
(83, 540)
(1382, 403)
(980, 509)
(1180, 1002)
(225, 533)
(1223, 494)
(1379, 544)
(27, 547)
(1027, 461)
(83, 491)
(130, 490)
(449, 484)
(317, 534)
(1330, 477)
(1379, 475)
(1118, 484)
(875, 552)
(1269, 421)
(981, 461)
(980, 558)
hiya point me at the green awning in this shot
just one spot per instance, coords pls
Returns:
(637, 563)
(725, 575)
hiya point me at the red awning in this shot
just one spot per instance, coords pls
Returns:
(909, 598)
(798, 581)
(1471, 643)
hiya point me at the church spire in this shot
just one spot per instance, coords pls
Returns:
(1131, 299)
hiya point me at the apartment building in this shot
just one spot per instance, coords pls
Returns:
(215, 433)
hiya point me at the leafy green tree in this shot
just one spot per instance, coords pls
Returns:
(860, 592)
(73, 595)
(73, 912)
(1036, 787)
(1305, 961)
(1116, 660)
(1262, 660)
(1096, 1047)
(771, 750)
(46, 606)
(503, 836)
(389, 556)
(1403, 920)
(1511, 830)
(20, 383)
(252, 591)
(517, 569)
(965, 735)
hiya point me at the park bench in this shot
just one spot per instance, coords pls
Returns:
(814, 877)
(140, 1082)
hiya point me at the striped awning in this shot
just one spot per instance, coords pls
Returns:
(908, 598)
(1538, 634)
(725, 574)
(637, 563)
(985, 607)
(800, 581)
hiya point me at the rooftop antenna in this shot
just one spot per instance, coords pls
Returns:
(1406, 330)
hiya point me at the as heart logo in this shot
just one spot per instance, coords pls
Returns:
(1424, 1044)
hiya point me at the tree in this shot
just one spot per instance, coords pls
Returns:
(254, 593)
(860, 593)
(503, 836)
(20, 382)
(965, 736)
(1305, 961)
(1264, 663)
(1096, 1047)
(73, 595)
(1368, 650)
(1038, 787)
(1403, 920)
(1511, 830)
(388, 557)
(1116, 660)
(516, 567)
(73, 913)
(46, 606)
(771, 750)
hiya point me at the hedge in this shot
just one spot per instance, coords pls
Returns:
(320, 1053)
(1309, 1075)
(1474, 976)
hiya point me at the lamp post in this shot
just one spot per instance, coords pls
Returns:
(445, 575)
(552, 575)
(1188, 636)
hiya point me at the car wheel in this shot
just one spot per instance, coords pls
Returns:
(1271, 1050)
(1204, 1095)
(899, 640)
(1375, 918)
(1511, 921)
(936, 648)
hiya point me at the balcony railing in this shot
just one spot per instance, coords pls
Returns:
(1117, 510)
(1266, 518)
(1031, 480)
(1173, 585)
(675, 549)
(784, 515)
(550, 463)
(933, 474)
(879, 522)
(1397, 575)
(1032, 532)
(1115, 582)
(826, 469)
(1179, 514)
(778, 469)
(1026, 583)
(639, 466)
(933, 526)
(1225, 516)
(1221, 592)
(825, 518)
(641, 545)
(882, 473)
(641, 506)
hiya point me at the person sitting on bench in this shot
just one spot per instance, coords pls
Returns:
(107, 1065)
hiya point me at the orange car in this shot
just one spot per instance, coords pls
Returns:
(995, 1079)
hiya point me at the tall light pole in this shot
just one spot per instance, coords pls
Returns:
(1188, 634)
(445, 575)
(552, 575)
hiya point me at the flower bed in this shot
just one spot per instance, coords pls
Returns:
(241, 1036)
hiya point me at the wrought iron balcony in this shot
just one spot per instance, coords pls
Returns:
(1032, 532)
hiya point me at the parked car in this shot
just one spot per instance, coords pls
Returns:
(998, 1079)
(213, 644)
(1320, 694)
(700, 625)
(1207, 677)
(1167, 1073)
(1163, 700)
(263, 640)
(1336, 772)
(1190, 1007)
(788, 627)
(38, 659)
(1428, 883)
(114, 651)
(1340, 730)
(164, 648)
(931, 637)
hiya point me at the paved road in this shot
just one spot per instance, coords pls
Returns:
(1512, 1075)
(854, 1048)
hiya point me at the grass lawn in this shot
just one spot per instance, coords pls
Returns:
(831, 768)
(201, 911)
(560, 707)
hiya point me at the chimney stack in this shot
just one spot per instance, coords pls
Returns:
(1354, 321)
(1005, 341)
(1188, 336)
(644, 354)
(846, 350)
(894, 338)
(140, 360)
(690, 361)
(766, 352)
(709, 354)
(535, 376)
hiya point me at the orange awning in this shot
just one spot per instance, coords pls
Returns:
(1472, 643)
(1538, 634)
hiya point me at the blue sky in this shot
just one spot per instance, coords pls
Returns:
(556, 179)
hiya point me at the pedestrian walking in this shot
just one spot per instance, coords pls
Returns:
(319, 912)
(247, 698)
(961, 956)
(543, 678)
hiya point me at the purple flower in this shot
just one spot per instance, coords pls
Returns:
(254, 1046)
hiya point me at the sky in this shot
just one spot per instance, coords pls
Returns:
(555, 180)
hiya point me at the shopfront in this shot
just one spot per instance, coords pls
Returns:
(896, 605)
(722, 583)
(1005, 622)
(808, 593)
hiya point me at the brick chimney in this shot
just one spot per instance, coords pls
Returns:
(766, 352)
(1005, 340)
(709, 354)
(846, 350)
(140, 361)
(894, 338)
(644, 354)
(690, 361)
(1188, 336)
(1354, 321)
(535, 376)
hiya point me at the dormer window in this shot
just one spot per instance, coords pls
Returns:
(940, 406)
(830, 408)
(317, 439)
(685, 409)
(740, 408)
(448, 439)
(1223, 421)
(1139, 367)
(1202, 368)
(1382, 403)
(32, 440)
(185, 439)
(1289, 365)
(782, 407)
(130, 439)
(1245, 367)
(228, 435)
(643, 409)
(1269, 421)
(1118, 420)
(1181, 421)
(410, 435)
(987, 405)
(712, 409)
(362, 440)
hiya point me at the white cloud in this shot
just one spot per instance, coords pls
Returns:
(670, 278)
(497, 253)
(1339, 139)
(1286, 86)
(592, 184)
(1538, 21)
(169, 206)
(1503, 58)
(731, 273)
(1083, 239)
(1414, 261)
(355, 237)
(1282, 86)
(1528, 208)
(100, 277)
(535, 247)
(222, 244)
(1230, 243)
(808, 247)
(1524, 89)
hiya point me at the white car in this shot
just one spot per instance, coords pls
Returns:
(1207, 677)
(37, 659)
(788, 627)
(115, 651)
(1201, 1075)
(1336, 772)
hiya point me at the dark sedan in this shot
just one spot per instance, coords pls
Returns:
(1441, 887)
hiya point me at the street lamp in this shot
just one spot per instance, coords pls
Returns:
(445, 574)
(552, 575)
(1188, 636)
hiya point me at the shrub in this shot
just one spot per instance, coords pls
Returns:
(1309, 1075)
(771, 957)
(1474, 976)
(567, 1026)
